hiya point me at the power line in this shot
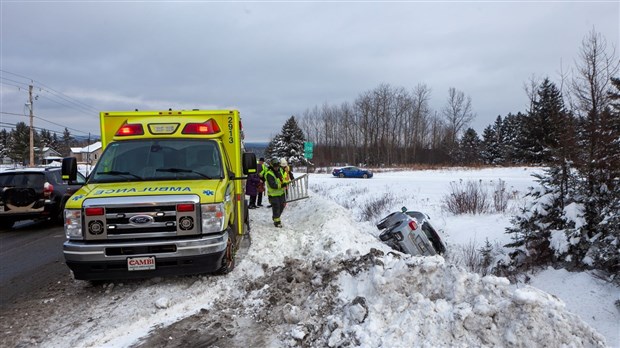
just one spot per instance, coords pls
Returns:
(67, 98)
(12, 113)
(63, 104)
(20, 88)
(14, 74)
(76, 104)
(43, 119)
(14, 125)
(62, 99)
(25, 85)
(58, 124)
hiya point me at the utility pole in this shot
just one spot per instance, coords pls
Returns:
(31, 164)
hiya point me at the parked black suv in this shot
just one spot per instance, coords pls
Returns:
(34, 193)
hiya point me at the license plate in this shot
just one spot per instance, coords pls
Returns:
(141, 263)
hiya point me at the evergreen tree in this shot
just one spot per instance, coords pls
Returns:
(4, 143)
(64, 147)
(47, 139)
(541, 126)
(288, 144)
(274, 148)
(491, 144)
(488, 152)
(543, 215)
(55, 142)
(469, 147)
(603, 247)
(19, 143)
(513, 139)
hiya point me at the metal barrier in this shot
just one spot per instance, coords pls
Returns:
(297, 189)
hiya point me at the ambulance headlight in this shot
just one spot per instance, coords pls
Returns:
(73, 224)
(212, 217)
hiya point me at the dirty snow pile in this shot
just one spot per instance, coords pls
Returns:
(324, 280)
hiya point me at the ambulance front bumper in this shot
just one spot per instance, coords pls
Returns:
(170, 257)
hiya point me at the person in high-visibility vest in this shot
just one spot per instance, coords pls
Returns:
(275, 190)
(287, 175)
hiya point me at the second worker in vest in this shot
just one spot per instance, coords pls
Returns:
(275, 190)
(287, 176)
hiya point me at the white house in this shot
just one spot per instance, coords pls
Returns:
(49, 155)
(89, 154)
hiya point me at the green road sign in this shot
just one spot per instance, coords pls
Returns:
(308, 149)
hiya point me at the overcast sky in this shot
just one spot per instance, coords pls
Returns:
(275, 59)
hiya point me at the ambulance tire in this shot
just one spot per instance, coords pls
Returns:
(228, 261)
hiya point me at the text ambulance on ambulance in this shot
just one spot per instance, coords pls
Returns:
(165, 198)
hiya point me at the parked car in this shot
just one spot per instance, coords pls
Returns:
(411, 232)
(352, 172)
(34, 193)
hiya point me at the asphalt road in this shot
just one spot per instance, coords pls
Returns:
(30, 258)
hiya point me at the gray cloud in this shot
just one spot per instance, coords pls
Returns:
(275, 59)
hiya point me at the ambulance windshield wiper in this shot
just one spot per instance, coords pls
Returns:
(116, 172)
(182, 170)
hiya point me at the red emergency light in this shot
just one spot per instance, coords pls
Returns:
(207, 127)
(94, 211)
(185, 207)
(130, 129)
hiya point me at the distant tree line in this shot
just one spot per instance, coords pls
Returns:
(388, 126)
(15, 144)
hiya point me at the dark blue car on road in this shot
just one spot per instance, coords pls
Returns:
(352, 172)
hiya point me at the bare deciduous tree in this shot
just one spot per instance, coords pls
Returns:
(531, 87)
(457, 112)
(592, 78)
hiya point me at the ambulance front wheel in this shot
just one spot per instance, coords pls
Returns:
(228, 260)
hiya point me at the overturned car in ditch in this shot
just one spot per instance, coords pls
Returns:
(411, 232)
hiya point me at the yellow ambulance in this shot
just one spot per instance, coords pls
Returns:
(166, 197)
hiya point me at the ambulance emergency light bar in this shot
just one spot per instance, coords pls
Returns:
(207, 127)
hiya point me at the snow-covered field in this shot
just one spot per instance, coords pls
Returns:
(326, 280)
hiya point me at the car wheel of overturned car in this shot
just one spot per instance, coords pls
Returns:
(383, 222)
(365, 176)
(385, 235)
(228, 260)
(341, 175)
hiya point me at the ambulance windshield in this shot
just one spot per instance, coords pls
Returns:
(159, 159)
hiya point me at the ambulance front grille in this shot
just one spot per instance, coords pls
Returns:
(139, 218)
(163, 220)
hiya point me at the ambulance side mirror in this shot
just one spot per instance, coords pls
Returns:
(69, 169)
(249, 163)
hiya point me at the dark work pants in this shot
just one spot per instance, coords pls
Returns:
(277, 206)
(259, 198)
